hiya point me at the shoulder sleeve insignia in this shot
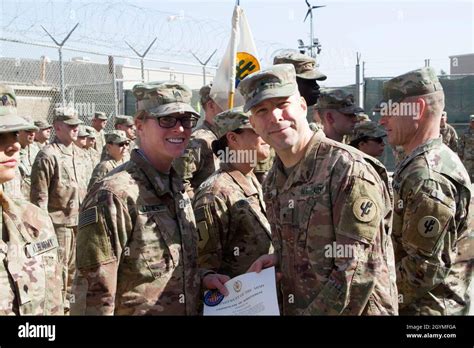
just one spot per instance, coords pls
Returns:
(364, 209)
(87, 217)
(428, 226)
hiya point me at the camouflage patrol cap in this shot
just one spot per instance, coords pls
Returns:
(231, 120)
(363, 117)
(339, 100)
(67, 115)
(116, 137)
(164, 98)
(8, 97)
(411, 84)
(29, 119)
(42, 124)
(9, 119)
(82, 132)
(91, 133)
(305, 66)
(368, 129)
(124, 119)
(275, 82)
(100, 115)
(204, 94)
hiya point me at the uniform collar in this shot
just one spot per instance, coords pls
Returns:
(67, 150)
(304, 169)
(157, 178)
(427, 146)
(241, 179)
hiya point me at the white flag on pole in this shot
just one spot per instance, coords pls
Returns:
(235, 66)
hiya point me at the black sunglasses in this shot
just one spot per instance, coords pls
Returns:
(125, 143)
(170, 121)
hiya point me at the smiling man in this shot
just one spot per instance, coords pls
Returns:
(321, 196)
(432, 229)
(137, 239)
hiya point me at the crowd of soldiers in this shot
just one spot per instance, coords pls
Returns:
(143, 219)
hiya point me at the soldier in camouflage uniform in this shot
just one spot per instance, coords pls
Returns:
(43, 134)
(466, 149)
(307, 74)
(229, 207)
(58, 185)
(126, 124)
(137, 240)
(81, 143)
(28, 154)
(432, 229)
(361, 118)
(368, 138)
(198, 161)
(450, 137)
(99, 121)
(117, 144)
(90, 146)
(81, 140)
(338, 113)
(329, 207)
(30, 282)
(307, 77)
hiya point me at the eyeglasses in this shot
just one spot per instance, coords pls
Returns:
(170, 121)
(126, 143)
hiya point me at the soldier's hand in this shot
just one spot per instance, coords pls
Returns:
(216, 281)
(262, 262)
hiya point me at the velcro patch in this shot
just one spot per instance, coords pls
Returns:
(87, 217)
(143, 209)
(312, 190)
(33, 249)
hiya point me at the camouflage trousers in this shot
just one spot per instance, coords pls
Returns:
(67, 257)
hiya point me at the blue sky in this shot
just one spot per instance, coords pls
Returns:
(392, 36)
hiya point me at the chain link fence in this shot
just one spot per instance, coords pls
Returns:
(91, 81)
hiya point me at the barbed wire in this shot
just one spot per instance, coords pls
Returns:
(106, 25)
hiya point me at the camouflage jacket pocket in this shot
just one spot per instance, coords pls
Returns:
(156, 243)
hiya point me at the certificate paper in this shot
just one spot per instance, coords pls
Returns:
(249, 294)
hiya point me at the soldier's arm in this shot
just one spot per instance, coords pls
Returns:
(41, 176)
(212, 220)
(104, 225)
(187, 165)
(428, 216)
(357, 216)
(99, 172)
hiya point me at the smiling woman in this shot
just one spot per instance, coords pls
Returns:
(29, 248)
(137, 232)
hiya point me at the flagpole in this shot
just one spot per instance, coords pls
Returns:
(233, 55)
